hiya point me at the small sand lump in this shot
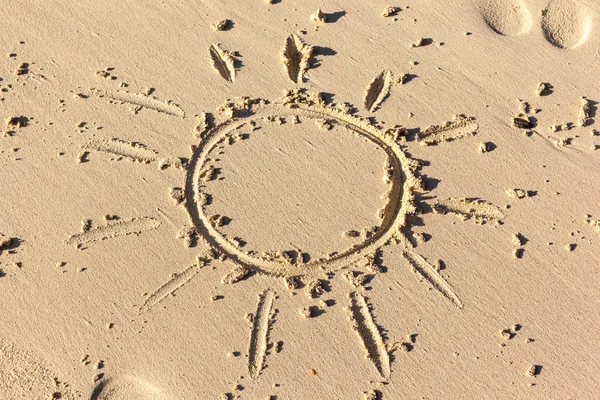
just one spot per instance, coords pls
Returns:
(506, 334)
(323, 124)
(5, 241)
(533, 370)
(516, 193)
(221, 25)
(570, 246)
(292, 282)
(485, 147)
(542, 89)
(15, 122)
(418, 43)
(523, 123)
(517, 239)
(370, 395)
(518, 253)
(593, 223)
(583, 116)
(306, 312)
(319, 16)
(235, 275)
(22, 69)
(356, 279)
(177, 194)
(390, 11)
(315, 288)
(351, 234)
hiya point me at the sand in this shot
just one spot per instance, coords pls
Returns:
(299, 200)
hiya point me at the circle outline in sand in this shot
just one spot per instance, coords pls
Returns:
(401, 176)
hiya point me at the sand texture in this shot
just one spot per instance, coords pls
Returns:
(278, 199)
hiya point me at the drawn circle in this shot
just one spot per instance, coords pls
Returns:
(402, 183)
(301, 184)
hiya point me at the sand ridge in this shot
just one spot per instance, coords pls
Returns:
(223, 62)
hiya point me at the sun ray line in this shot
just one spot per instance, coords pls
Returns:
(134, 226)
(171, 286)
(259, 336)
(369, 334)
(427, 271)
(141, 100)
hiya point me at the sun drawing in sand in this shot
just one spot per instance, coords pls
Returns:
(358, 262)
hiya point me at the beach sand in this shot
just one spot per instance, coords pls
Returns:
(299, 200)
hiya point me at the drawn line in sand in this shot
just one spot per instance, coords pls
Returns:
(565, 24)
(134, 226)
(223, 62)
(506, 17)
(465, 208)
(431, 275)
(459, 127)
(141, 100)
(369, 334)
(121, 148)
(260, 333)
(296, 55)
(170, 287)
(25, 376)
(378, 90)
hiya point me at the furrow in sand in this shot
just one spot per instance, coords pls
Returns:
(378, 90)
(260, 333)
(430, 274)
(296, 55)
(222, 62)
(131, 150)
(142, 100)
(369, 335)
(459, 127)
(169, 287)
(465, 208)
(133, 226)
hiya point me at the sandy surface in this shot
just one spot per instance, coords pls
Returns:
(401, 206)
